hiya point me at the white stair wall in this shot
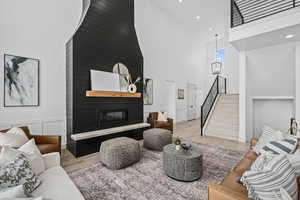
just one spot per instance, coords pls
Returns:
(224, 119)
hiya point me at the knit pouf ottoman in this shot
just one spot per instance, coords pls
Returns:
(120, 152)
(183, 165)
(156, 138)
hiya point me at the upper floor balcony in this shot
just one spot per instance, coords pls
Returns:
(260, 23)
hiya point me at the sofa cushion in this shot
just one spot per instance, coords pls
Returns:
(57, 185)
(232, 181)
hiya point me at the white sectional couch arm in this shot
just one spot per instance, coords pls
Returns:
(51, 160)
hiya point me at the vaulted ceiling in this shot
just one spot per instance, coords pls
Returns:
(203, 17)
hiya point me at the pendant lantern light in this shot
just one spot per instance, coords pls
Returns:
(216, 66)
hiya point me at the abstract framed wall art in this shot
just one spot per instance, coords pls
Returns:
(21, 81)
(148, 91)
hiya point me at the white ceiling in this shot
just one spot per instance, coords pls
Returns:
(212, 14)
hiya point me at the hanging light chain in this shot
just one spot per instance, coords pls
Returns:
(216, 35)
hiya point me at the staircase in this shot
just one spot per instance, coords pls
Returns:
(223, 121)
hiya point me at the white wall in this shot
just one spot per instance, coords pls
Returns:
(270, 87)
(169, 55)
(39, 29)
(297, 81)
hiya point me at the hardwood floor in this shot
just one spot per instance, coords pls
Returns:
(190, 131)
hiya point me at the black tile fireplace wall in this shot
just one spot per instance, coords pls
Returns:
(105, 37)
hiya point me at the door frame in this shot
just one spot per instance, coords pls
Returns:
(195, 88)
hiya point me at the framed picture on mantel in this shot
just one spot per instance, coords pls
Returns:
(21, 81)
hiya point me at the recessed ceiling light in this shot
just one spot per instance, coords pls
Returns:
(289, 36)
(180, 1)
(198, 17)
(210, 29)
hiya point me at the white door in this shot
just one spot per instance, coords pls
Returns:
(191, 101)
(170, 99)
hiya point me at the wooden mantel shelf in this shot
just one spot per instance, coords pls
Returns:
(93, 93)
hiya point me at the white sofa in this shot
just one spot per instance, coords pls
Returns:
(56, 184)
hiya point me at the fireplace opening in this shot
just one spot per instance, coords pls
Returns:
(112, 118)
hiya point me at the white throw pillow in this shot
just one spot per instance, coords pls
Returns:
(34, 155)
(30, 150)
(265, 184)
(268, 135)
(8, 154)
(162, 116)
(13, 192)
(262, 161)
(283, 195)
(15, 138)
(295, 161)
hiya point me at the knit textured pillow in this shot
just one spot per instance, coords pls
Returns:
(18, 172)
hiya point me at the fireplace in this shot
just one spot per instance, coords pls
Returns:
(112, 118)
(98, 44)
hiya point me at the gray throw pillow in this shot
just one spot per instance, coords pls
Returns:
(286, 146)
(18, 172)
(268, 135)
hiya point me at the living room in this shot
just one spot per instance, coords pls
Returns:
(125, 99)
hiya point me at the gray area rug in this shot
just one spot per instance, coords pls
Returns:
(146, 180)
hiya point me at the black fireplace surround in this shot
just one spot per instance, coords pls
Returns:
(105, 37)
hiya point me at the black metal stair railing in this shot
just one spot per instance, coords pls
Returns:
(245, 11)
(218, 87)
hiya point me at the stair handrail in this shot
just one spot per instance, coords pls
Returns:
(216, 84)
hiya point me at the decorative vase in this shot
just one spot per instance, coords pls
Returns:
(132, 88)
(177, 147)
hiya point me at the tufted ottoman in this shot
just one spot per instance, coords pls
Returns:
(120, 152)
(156, 138)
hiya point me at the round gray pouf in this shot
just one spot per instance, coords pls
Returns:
(182, 165)
(119, 152)
(156, 138)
